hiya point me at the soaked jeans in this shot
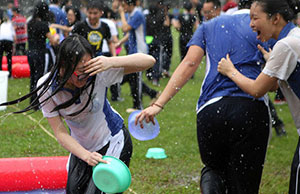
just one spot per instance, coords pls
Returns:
(232, 137)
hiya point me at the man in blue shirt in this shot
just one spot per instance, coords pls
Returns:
(60, 16)
(232, 127)
(136, 27)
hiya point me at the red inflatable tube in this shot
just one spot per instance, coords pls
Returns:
(18, 70)
(20, 66)
(25, 174)
(16, 59)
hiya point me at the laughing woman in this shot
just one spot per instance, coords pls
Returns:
(75, 90)
(273, 19)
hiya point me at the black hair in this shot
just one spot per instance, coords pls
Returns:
(71, 51)
(217, 3)
(288, 9)
(76, 12)
(245, 4)
(54, 1)
(187, 5)
(130, 2)
(41, 10)
(95, 4)
(16, 9)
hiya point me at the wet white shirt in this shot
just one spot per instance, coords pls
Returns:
(92, 128)
(281, 64)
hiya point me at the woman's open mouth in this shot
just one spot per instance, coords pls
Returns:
(258, 34)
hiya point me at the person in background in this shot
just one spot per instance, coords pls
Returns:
(185, 24)
(232, 126)
(135, 28)
(73, 98)
(60, 15)
(229, 5)
(20, 25)
(167, 40)
(9, 12)
(94, 30)
(65, 4)
(115, 89)
(196, 10)
(38, 32)
(7, 40)
(73, 16)
(154, 21)
(211, 9)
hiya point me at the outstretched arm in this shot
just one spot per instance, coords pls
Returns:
(130, 63)
(182, 74)
(256, 88)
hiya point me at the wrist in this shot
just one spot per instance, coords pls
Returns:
(157, 105)
(232, 73)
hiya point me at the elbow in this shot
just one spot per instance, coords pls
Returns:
(125, 29)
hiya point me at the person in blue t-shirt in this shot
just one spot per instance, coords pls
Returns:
(135, 25)
(60, 15)
(232, 126)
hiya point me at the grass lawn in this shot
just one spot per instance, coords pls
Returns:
(30, 135)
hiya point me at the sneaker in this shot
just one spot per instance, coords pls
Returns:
(280, 131)
(279, 101)
(130, 110)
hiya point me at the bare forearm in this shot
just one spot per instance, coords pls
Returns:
(133, 63)
(65, 139)
(179, 78)
(125, 25)
(256, 88)
(70, 144)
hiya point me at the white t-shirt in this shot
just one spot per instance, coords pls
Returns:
(281, 64)
(94, 127)
(7, 31)
(113, 31)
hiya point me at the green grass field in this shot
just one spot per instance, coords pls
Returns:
(30, 135)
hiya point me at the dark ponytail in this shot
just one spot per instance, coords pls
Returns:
(288, 9)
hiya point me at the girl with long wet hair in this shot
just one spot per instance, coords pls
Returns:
(75, 90)
(274, 19)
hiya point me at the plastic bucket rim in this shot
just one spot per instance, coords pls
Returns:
(123, 184)
(131, 126)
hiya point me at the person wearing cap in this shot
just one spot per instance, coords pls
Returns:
(232, 126)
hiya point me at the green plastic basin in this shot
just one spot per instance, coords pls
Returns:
(114, 177)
